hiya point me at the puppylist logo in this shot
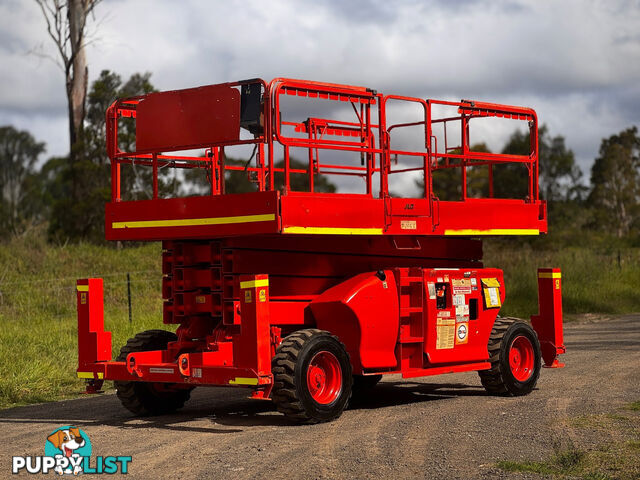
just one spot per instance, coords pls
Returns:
(67, 451)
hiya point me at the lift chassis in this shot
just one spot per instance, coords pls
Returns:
(305, 296)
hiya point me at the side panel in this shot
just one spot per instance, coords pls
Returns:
(364, 313)
(193, 217)
(181, 119)
(332, 214)
(490, 216)
(461, 308)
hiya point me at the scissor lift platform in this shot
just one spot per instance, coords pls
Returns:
(212, 117)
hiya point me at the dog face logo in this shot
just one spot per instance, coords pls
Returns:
(70, 443)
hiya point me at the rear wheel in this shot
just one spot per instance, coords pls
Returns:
(146, 398)
(312, 376)
(514, 353)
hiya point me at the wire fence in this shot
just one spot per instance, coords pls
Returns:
(55, 297)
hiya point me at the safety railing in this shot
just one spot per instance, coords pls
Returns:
(166, 124)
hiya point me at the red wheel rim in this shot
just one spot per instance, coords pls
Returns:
(521, 358)
(324, 377)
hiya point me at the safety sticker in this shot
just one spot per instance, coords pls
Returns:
(161, 370)
(462, 333)
(247, 296)
(408, 225)
(474, 282)
(462, 310)
(491, 289)
(494, 297)
(445, 333)
(462, 318)
(432, 290)
(461, 290)
(445, 313)
(461, 282)
(458, 300)
(83, 298)
(262, 295)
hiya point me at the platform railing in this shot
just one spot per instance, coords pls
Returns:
(368, 134)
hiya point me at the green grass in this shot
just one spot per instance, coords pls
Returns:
(38, 323)
(592, 280)
(617, 458)
(633, 406)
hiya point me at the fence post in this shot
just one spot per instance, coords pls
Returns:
(129, 295)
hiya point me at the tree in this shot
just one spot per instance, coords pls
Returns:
(19, 153)
(237, 181)
(66, 22)
(82, 216)
(615, 180)
(447, 182)
(559, 176)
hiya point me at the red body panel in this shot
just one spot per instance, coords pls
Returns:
(463, 287)
(181, 119)
(363, 312)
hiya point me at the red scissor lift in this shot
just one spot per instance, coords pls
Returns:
(305, 296)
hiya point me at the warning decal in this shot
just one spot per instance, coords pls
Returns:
(491, 289)
(462, 333)
(432, 290)
(445, 333)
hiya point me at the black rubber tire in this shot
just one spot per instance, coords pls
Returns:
(499, 380)
(290, 391)
(143, 398)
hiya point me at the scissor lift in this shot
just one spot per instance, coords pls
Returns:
(304, 296)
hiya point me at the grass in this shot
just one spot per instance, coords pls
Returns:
(38, 339)
(38, 342)
(592, 279)
(618, 458)
(634, 406)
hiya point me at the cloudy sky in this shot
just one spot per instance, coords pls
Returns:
(577, 62)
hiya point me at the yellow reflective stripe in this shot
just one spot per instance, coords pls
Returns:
(494, 231)
(549, 275)
(90, 375)
(333, 231)
(83, 288)
(243, 381)
(189, 222)
(255, 283)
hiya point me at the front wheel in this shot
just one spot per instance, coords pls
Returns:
(514, 353)
(312, 376)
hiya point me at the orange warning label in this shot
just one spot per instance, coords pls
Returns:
(445, 333)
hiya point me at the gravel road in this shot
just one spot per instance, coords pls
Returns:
(438, 427)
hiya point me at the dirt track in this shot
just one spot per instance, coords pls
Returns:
(439, 427)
